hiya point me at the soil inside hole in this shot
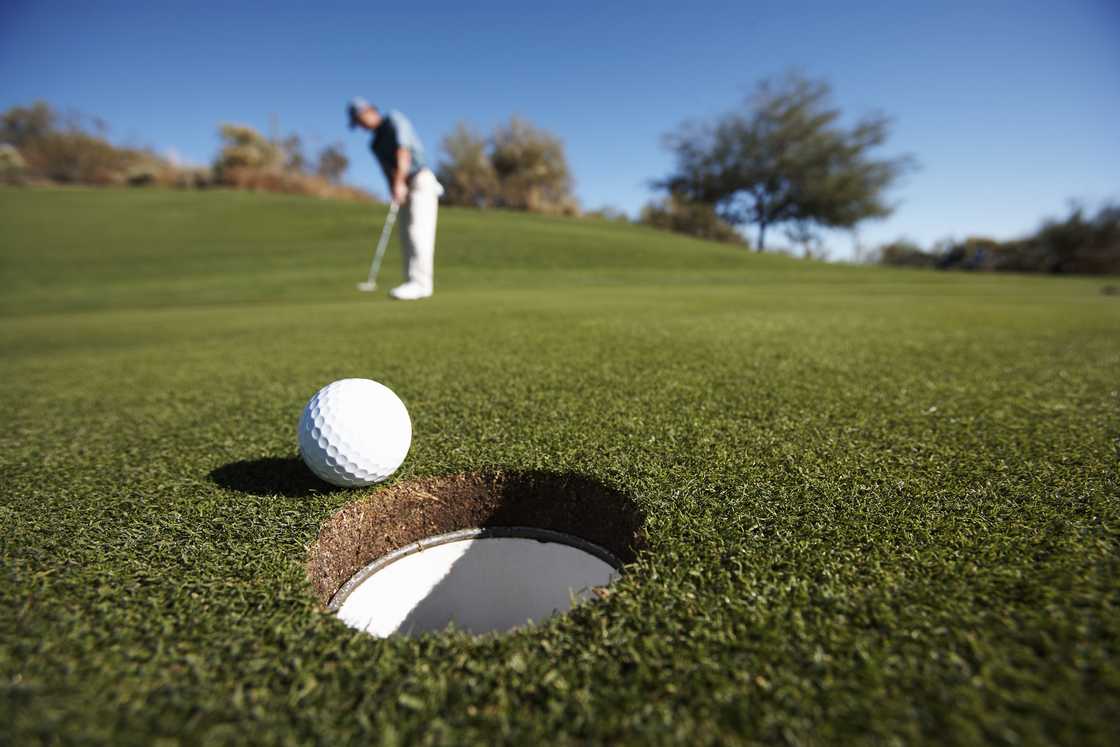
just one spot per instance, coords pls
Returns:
(405, 513)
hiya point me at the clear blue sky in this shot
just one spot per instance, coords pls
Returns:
(1012, 108)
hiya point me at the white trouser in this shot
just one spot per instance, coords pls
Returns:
(418, 234)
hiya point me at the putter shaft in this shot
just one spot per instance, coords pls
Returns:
(386, 232)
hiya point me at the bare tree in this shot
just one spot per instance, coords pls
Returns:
(332, 163)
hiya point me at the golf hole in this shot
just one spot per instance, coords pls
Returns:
(478, 553)
(476, 580)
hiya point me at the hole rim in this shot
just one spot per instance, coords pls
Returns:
(515, 532)
(379, 523)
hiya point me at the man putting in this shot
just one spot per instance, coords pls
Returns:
(412, 186)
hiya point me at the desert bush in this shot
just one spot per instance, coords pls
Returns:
(904, 253)
(72, 154)
(466, 171)
(161, 173)
(691, 218)
(243, 148)
(249, 160)
(520, 166)
(290, 182)
(77, 157)
(33, 147)
(23, 124)
(1080, 243)
(608, 213)
(974, 253)
(532, 168)
(197, 177)
(13, 169)
(142, 175)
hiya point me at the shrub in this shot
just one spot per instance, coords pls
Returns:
(905, 253)
(1079, 244)
(466, 172)
(73, 155)
(189, 177)
(691, 218)
(532, 169)
(1082, 244)
(32, 147)
(77, 157)
(974, 253)
(249, 160)
(608, 213)
(13, 169)
(243, 148)
(288, 182)
(21, 125)
(520, 166)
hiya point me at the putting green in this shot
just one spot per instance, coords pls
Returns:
(879, 505)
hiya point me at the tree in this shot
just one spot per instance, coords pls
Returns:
(785, 159)
(292, 148)
(531, 168)
(466, 172)
(332, 163)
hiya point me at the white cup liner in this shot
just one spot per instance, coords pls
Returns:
(480, 581)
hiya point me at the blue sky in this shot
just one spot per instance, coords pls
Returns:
(1011, 108)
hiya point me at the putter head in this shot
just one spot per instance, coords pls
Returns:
(367, 286)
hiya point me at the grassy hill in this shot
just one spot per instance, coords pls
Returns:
(879, 505)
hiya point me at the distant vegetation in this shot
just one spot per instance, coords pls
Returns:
(518, 166)
(783, 159)
(1079, 244)
(38, 145)
(249, 160)
(608, 213)
(677, 214)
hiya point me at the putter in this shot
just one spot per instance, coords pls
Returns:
(370, 282)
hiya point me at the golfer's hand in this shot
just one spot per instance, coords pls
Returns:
(400, 193)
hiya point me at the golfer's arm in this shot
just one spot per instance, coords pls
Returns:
(404, 165)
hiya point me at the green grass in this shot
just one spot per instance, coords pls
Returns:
(882, 506)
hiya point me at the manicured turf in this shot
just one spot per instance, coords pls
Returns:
(881, 506)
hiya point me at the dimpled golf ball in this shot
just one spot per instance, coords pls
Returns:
(354, 432)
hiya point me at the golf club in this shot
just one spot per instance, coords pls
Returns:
(370, 282)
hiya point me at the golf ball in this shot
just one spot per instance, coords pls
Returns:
(354, 432)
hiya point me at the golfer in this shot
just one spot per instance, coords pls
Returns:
(412, 186)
